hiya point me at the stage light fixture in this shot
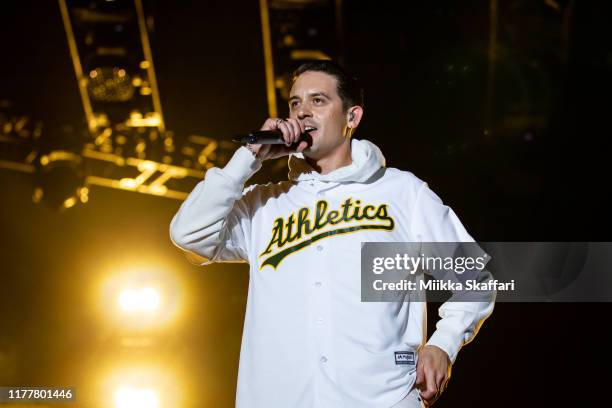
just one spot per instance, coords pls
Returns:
(110, 84)
(59, 176)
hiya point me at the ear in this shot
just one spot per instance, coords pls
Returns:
(354, 116)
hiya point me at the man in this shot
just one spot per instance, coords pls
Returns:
(308, 340)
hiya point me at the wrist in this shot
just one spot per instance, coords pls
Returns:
(242, 165)
(254, 151)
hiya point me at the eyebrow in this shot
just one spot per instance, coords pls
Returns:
(314, 94)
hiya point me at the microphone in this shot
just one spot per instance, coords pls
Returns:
(271, 137)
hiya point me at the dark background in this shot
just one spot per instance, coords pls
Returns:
(534, 168)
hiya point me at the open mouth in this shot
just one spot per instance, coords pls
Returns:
(310, 129)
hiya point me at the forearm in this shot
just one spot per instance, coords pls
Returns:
(198, 224)
(458, 325)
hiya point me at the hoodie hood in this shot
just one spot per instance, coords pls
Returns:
(367, 160)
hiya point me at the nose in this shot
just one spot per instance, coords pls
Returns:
(303, 112)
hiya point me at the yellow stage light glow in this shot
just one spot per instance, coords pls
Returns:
(140, 300)
(130, 397)
(138, 384)
(70, 202)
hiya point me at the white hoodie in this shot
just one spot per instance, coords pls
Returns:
(308, 340)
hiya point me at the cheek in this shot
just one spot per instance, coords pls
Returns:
(334, 121)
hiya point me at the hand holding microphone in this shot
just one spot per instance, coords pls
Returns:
(277, 138)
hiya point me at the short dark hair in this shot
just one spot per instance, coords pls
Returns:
(349, 89)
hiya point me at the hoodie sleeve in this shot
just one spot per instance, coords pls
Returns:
(213, 223)
(460, 321)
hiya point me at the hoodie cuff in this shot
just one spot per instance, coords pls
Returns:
(446, 342)
(242, 165)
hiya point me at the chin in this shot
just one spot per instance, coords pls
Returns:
(308, 153)
(310, 150)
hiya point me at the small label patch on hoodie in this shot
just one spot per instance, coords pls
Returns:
(404, 357)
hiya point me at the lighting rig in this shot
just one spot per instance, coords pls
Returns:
(125, 144)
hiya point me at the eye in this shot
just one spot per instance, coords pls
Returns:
(318, 101)
(293, 104)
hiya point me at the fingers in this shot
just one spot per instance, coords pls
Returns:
(440, 379)
(291, 129)
(303, 145)
(294, 130)
(270, 124)
(422, 385)
(286, 131)
(430, 385)
(297, 128)
(420, 377)
(433, 372)
(444, 384)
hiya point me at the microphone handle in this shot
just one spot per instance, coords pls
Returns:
(265, 137)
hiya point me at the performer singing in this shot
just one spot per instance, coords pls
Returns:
(308, 340)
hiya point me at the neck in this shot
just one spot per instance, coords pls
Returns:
(339, 157)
